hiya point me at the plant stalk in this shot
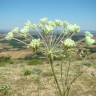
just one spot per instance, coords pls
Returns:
(54, 75)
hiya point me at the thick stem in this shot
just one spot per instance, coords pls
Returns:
(55, 78)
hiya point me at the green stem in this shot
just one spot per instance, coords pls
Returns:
(55, 78)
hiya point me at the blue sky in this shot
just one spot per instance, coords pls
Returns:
(16, 12)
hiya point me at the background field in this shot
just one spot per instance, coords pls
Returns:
(19, 71)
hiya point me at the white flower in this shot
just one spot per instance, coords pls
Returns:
(9, 36)
(89, 40)
(34, 43)
(65, 24)
(58, 22)
(48, 28)
(28, 24)
(15, 30)
(40, 25)
(69, 42)
(73, 28)
(25, 30)
(52, 23)
(87, 33)
(44, 20)
(33, 26)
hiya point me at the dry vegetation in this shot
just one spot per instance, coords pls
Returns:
(29, 78)
(23, 80)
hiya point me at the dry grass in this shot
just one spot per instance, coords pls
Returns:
(27, 85)
(15, 54)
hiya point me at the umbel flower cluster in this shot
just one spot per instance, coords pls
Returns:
(89, 38)
(47, 35)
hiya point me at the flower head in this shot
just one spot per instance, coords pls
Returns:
(65, 24)
(73, 28)
(35, 43)
(33, 26)
(15, 30)
(44, 20)
(48, 28)
(89, 40)
(52, 23)
(87, 33)
(9, 36)
(24, 31)
(28, 24)
(69, 43)
(58, 22)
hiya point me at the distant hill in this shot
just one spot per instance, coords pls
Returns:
(77, 36)
(81, 32)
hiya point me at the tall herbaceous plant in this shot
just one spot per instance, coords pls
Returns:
(54, 40)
